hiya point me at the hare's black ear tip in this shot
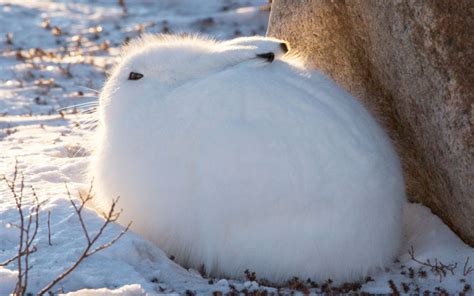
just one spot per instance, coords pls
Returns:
(285, 47)
(269, 56)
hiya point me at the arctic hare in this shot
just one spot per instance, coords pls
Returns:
(228, 155)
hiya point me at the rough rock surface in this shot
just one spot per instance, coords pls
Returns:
(411, 63)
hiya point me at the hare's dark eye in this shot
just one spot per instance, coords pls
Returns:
(269, 56)
(135, 76)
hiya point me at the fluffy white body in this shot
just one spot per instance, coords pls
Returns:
(227, 160)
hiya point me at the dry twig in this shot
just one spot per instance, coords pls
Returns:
(123, 5)
(437, 267)
(28, 229)
(49, 229)
(29, 224)
(467, 268)
(111, 216)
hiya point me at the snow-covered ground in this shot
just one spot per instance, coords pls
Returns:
(56, 54)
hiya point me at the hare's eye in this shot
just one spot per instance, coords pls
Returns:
(135, 76)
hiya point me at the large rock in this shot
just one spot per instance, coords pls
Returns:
(411, 63)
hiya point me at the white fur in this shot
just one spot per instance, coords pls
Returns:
(227, 160)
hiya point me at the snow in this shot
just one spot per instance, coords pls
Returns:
(52, 150)
(7, 280)
(127, 290)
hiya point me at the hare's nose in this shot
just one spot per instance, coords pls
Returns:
(284, 47)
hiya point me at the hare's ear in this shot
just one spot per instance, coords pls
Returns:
(264, 44)
(230, 54)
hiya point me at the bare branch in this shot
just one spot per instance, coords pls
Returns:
(27, 254)
(64, 274)
(29, 225)
(111, 216)
(28, 230)
(8, 261)
(105, 246)
(36, 210)
(87, 198)
(467, 268)
(49, 228)
(19, 285)
(78, 212)
(437, 267)
(29, 239)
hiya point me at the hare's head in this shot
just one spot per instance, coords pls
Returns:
(156, 64)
